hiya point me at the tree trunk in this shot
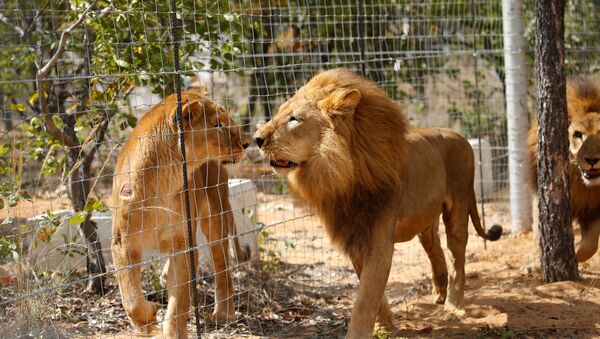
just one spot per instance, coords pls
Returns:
(556, 232)
(79, 189)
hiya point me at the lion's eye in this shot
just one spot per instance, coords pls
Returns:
(578, 135)
(218, 124)
(294, 118)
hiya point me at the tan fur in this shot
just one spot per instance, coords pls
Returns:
(150, 210)
(375, 183)
(583, 107)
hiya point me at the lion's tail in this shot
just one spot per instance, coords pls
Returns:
(493, 233)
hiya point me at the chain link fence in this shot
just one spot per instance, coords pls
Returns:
(77, 76)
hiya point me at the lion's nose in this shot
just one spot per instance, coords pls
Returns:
(259, 141)
(592, 161)
(245, 145)
(258, 138)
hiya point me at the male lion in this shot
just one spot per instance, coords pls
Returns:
(150, 208)
(346, 150)
(583, 108)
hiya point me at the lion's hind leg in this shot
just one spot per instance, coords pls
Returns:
(215, 229)
(178, 279)
(456, 221)
(216, 221)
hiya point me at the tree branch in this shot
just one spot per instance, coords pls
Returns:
(43, 73)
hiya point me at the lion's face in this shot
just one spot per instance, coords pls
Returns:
(584, 144)
(299, 128)
(212, 133)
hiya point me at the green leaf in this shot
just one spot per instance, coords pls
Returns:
(16, 107)
(1, 203)
(8, 221)
(57, 120)
(3, 150)
(122, 63)
(131, 120)
(13, 200)
(95, 205)
(78, 218)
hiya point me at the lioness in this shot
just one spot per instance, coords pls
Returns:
(346, 150)
(150, 207)
(583, 107)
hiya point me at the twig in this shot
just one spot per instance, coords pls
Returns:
(14, 27)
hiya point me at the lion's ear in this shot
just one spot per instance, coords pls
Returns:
(192, 109)
(200, 88)
(341, 101)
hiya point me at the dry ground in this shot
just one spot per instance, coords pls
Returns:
(306, 289)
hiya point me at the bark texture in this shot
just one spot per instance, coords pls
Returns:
(558, 261)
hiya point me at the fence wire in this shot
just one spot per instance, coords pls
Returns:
(78, 76)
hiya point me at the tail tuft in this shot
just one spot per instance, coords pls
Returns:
(494, 233)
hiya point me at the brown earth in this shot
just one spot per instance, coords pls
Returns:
(306, 289)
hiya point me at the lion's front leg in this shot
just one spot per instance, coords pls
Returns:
(590, 232)
(127, 257)
(385, 317)
(430, 240)
(374, 272)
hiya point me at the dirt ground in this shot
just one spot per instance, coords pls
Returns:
(305, 288)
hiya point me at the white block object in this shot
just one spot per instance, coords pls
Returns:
(52, 256)
(486, 167)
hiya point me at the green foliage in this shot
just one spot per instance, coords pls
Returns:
(281, 187)
(45, 229)
(119, 45)
(9, 248)
(270, 258)
(582, 34)
(474, 119)
(151, 283)
(382, 334)
(125, 43)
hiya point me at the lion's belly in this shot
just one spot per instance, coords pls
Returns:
(424, 189)
(407, 228)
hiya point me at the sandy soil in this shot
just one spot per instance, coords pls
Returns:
(305, 288)
(503, 295)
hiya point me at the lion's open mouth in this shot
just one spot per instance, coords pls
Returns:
(591, 173)
(282, 163)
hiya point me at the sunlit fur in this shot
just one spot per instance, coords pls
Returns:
(350, 168)
(583, 107)
(149, 205)
(374, 182)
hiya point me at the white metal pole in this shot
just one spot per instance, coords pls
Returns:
(516, 113)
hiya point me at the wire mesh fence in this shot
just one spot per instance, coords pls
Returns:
(78, 76)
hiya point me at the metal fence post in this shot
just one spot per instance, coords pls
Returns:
(516, 112)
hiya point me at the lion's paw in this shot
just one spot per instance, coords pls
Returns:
(452, 313)
(439, 298)
(149, 330)
(224, 316)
